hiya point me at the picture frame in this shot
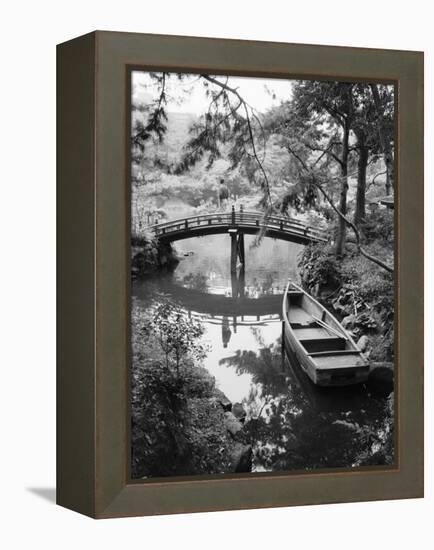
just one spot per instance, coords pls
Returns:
(93, 274)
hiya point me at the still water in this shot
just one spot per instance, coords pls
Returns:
(291, 423)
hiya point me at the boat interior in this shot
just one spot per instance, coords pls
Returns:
(320, 335)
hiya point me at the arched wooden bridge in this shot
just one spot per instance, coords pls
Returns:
(238, 222)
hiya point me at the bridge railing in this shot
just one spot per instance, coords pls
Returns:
(237, 218)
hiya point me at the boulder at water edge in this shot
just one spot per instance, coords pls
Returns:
(241, 457)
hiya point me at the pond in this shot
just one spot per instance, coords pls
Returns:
(291, 423)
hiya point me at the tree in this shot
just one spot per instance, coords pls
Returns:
(365, 141)
(315, 181)
(384, 104)
(373, 129)
(317, 126)
(314, 128)
(311, 148)
(177, 335)
(322, 103)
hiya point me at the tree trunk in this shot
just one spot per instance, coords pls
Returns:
(354, 228)
(342, 226)
(384, 142)
(360, 211)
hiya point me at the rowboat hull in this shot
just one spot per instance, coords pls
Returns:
(322, 347)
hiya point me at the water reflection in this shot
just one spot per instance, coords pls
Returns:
(290, 423)
(267, 268)
(293, 424)
(226, 332)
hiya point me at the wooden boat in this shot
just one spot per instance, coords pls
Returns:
(322, 347)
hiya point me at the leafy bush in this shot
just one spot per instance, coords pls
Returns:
(319, 268)
(176, 334)
(177, 426)
(363, 292)
(379, 225)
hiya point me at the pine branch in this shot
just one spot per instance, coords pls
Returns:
(249, 125)
(154, 123)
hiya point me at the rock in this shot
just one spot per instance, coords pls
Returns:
(381, 376)
(135, 250)
(142, 264)
(350, 425)
(233, 425)
(382, 371)
(348, 321)
(241, 458)
(222, 400)
(167, 257)
(239, 412)
(363, 342)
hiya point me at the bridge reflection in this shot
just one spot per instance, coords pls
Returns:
(230, 312)
(219, 304)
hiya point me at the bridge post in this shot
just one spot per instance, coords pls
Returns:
(242, 282)
(233, 215)
(240, 247)
(238, 283)
(237, 249)
(234, 250)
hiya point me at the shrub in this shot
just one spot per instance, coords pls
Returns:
(319, 268)
(177, 426)
(379, 225)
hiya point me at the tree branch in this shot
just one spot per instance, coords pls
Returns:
(375, 177)
(342, 216)
(249, 126)
(355, 230)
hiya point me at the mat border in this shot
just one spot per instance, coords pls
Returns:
(93, 274)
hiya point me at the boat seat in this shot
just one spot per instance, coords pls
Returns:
(318, 339)
(335, 352)
(312, 324)
(331, 344)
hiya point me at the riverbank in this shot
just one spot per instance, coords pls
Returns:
(361, 295)
(182, 424)
(150, 256)
(359, 292)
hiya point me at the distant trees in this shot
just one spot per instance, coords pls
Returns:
(230, 126)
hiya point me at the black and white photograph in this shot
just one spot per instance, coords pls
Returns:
(262, 275)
